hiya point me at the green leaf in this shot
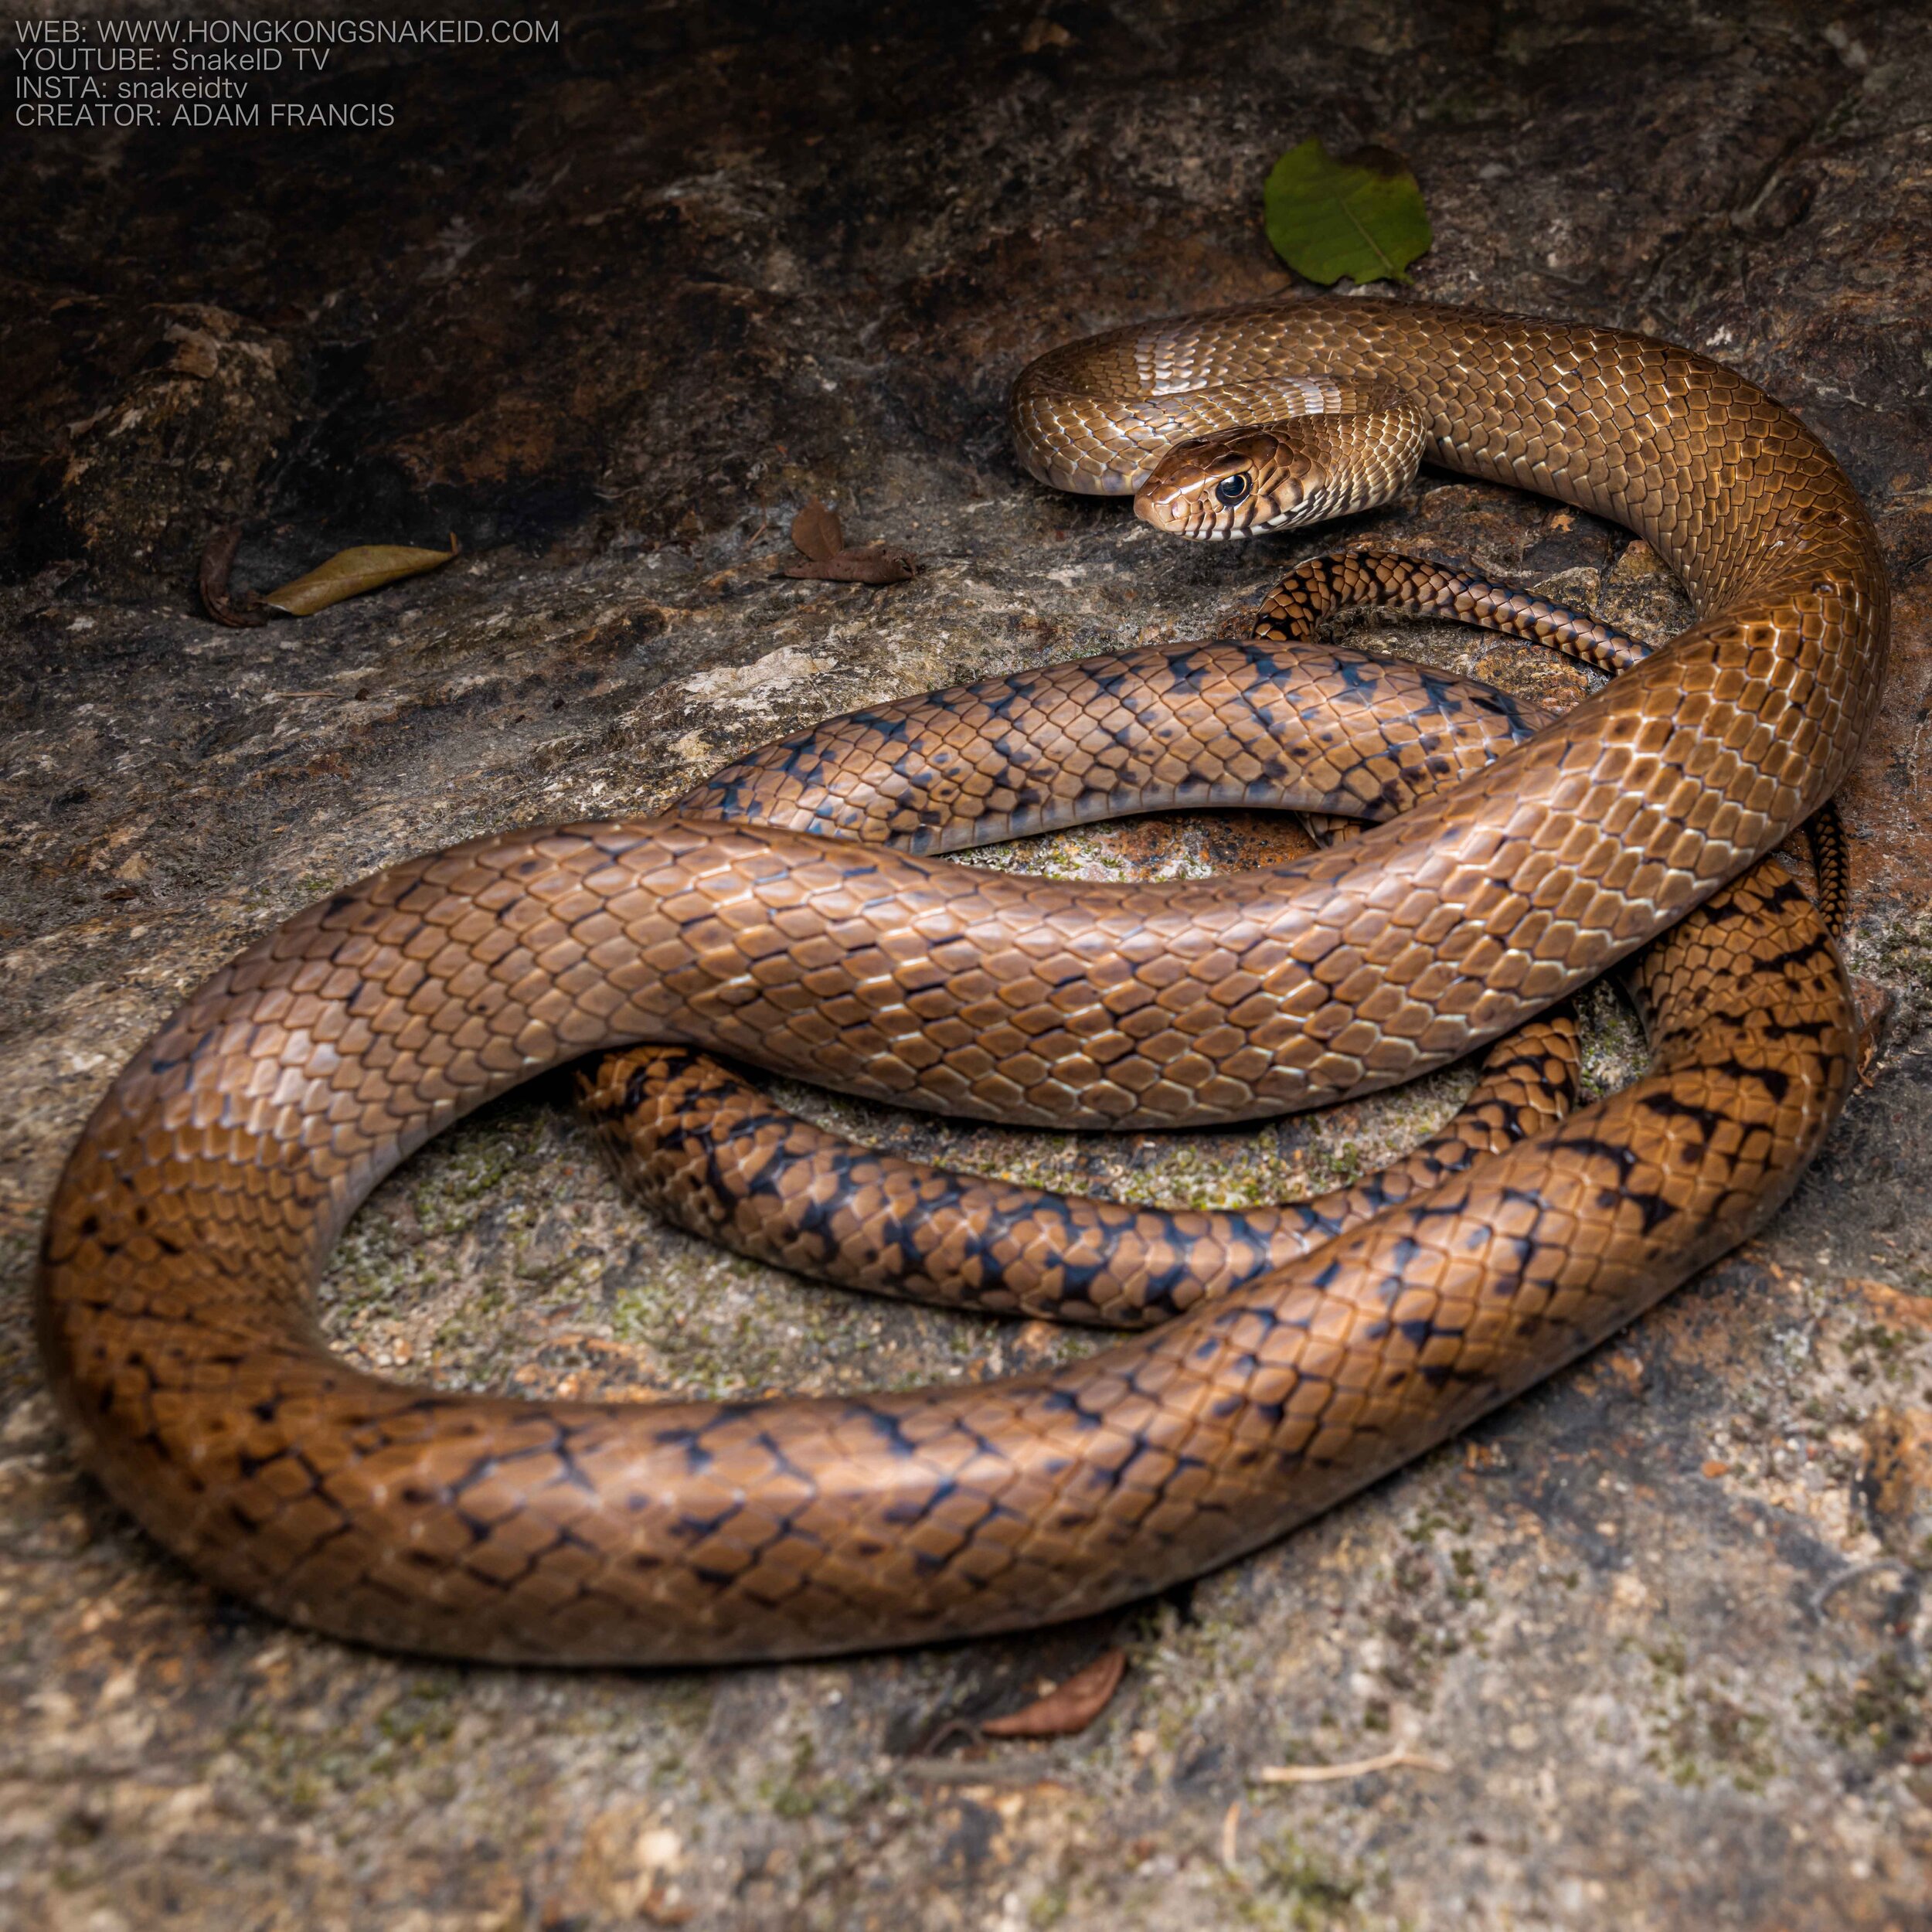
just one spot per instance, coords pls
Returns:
(1361, 217)
(349, 573)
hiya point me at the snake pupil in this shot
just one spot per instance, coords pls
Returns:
(1232, 489)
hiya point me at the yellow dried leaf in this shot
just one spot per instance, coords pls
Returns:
(349, 573)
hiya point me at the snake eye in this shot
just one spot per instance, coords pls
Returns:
(1233, 489)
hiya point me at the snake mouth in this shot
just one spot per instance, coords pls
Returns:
(1188, 510)
(1163, 512)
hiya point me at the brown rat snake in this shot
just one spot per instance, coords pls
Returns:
(194, 1214)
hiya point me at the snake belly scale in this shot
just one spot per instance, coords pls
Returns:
(193, 1217)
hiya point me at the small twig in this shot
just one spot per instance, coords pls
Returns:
(1908, 1580)
(1333, 1773)
(944, 1733)
(1231, 1836)
(962, 1770)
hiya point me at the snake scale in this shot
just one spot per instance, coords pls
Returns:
(194, 1215)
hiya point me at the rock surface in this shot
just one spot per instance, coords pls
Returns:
(612, 311)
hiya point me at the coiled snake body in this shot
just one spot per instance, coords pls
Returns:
(194, 1215)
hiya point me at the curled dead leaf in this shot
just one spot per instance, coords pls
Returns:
(1041, 33)
(240, 613)
(366, 566)
(1071, 1707)
(817, 531)
(819, 536)
(874, 564)
(1876, 1006)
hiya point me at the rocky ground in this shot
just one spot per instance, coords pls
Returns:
(611, 311)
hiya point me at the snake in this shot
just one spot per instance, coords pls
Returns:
(175, 1301)
(707, 1149)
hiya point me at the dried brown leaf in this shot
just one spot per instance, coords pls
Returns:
(819, 536)
(1071, 1708)
(658, 1910)
(1041, 33)
(873, 563)
(816, 531)
(367, 566)
(242, 613)
(1876, 1006)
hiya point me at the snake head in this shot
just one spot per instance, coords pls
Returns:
(1236, 484)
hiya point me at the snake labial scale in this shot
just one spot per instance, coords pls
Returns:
(195, 1213)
